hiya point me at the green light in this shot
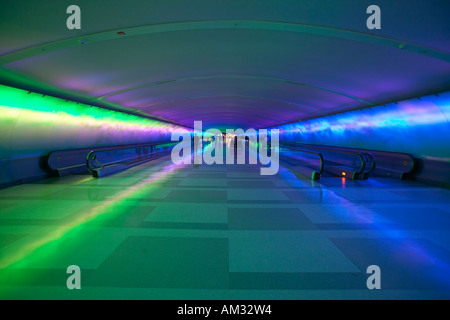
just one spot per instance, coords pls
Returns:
(38, 109)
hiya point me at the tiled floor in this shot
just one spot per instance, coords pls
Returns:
(165, 231)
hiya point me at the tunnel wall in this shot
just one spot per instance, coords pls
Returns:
(419, 127)
(33, 125)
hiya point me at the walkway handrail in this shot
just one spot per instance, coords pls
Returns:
(74, 160)
(358, 170)
(386, 161)
(371, 160)
(137, 153)
(318, 154)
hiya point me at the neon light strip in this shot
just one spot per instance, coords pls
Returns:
(36, 108)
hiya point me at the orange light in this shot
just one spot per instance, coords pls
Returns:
(343, 173)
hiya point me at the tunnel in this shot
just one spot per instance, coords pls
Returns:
(225, 150)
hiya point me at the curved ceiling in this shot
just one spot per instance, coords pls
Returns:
(233, 63)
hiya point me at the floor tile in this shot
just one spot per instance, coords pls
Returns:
(199, 196)
(289, 251)
(404, 263)
(268, 219)
(206, 213)
(255, 195)
(165, 263)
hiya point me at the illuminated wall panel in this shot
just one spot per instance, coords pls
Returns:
(32, 125)
(418, 126)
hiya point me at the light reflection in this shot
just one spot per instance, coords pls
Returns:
(96, 211)
(378, 227)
